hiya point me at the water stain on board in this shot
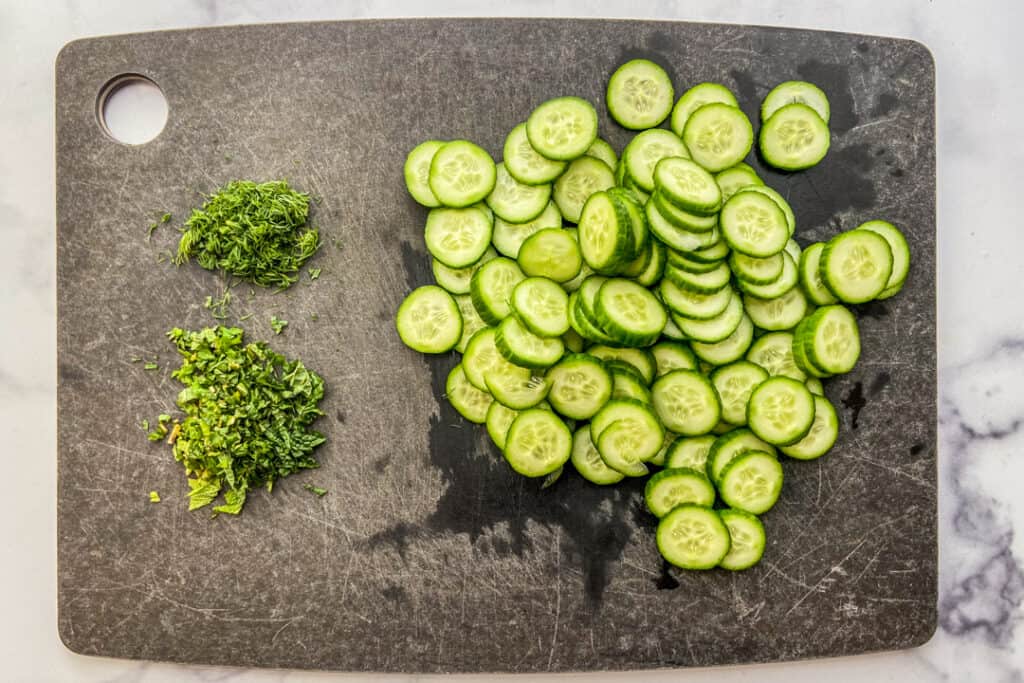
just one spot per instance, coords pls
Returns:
(854, 401)
(834, 79)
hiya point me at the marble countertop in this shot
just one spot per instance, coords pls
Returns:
(981, 332)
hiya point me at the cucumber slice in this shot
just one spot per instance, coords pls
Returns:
(736, 178)
(734, 384)
(774, 353)
(683, 261)
(522, 347)
(551, 253)
(675, 486)
(747, 540)
(695, 98)
(786, 281)
(793, 249)
(605, 233)
(810, 276)
(629, 312)
(693, 537)
(800, 357)
(585, 270)
(491, 288)
(542, 306)
(822, 436)
(638, 416)
(509, 237)
(638, 219)
(673, 236)
(457, 237)
(600, 149)
(643, 153)
(713, 281)
(789, 92)
(499, 419)
(471, 321)
(757, 271)
(515, 387)
(627, 382)
(580, 386)
(417, 172)
(856, 265)
(672, 355)
(672, 331)
(588, 462)
(686, 402)
(574, 343)
(659, 459)
(815, 386)
(538, 443)
(900, 254)
(655, 266)
(581, 317)
(753, 224)
(713, 329)
(687, 186)
(731, 444)
(456, 280)
(781, 412)
(524, 163)
(470, 402)
(794, 138)
(779, 200)
(718, 136)
(583, 178)
(729, 349)
(562, 128)
(641, 359)
(515, 202)
(780, 313)
(684, 220)
(639, 95)
(690, 451)
(694, 305)
(718, 251)
(832, 340)
(481, 357)
(461, 174)
(428, 320)
(752, 482)
(627, 441)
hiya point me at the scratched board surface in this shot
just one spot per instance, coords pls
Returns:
(428, 554)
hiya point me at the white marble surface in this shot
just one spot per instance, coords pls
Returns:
(981, 326)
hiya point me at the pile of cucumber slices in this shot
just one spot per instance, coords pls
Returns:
(648, 310)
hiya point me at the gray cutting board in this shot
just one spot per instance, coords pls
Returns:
(428, 554)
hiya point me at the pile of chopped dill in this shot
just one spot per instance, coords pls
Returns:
(253, 231)
(248, 412)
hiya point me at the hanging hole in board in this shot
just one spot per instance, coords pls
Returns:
(132, 109)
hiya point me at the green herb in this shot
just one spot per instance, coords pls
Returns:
(164, 256)
(161, 428)
(219, 307)
(245, 317)
(316, 489)
(314, 316)
(136, 359)
(144, 425)
(154, 497)
(149, 233)
(166, 218)
(277, 324)
(254, 231)
(314, 273)
(151, 366)
(247, 416)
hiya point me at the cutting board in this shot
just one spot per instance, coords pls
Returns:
(428, 554)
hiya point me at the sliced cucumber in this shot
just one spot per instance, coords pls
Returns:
(810, 276)
(542, 306)
(515, 387)
(900, 254)
(718, 136)
(600, 149)
(815, 386)
(714, 280)
(429, 321)
(734, 384)
(588, 462)
(784, 283)
(551, 253)
(469, 401)
(752, 482)
(672, 235)
(780, 411)
(686, 402)
(672, 331)
(583, 178)
(538, 443)
(457, 237)
(795, 91)
(629, 312)
(509, 237)
(747, 540)
(675, 486)
(713, 329)
(643, 153)
(574, 343)
(774, 353)
(627, 382)
(779, 200)
(800, 356)
(690, 451)
(491, 288)
(640, 94)
(514, 202)
(659, 459)
(628, 433)
(736, 178)
(605, 233)
(481, 357)
(471, 320)
(856, 265)
(562, 128)
(641, 359)
(683, 261)
(718, 251)
(417, 172)
(684, 220)
(729, 349)
(695, 98)
(794, 138)
(461, 174)
(499, 419)
(672, 355)
(580, 386)
(822, 436)
(832, 339)
(693, 537)
(522, 347)
(753, 224)
(688, 186)
(694, 305)
(730, 444)
(524, 163)
(780, 313)
(638, 220)
(456, 280)
(757, 271)
(793, 249)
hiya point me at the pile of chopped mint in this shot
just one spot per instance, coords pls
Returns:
(248, 412)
